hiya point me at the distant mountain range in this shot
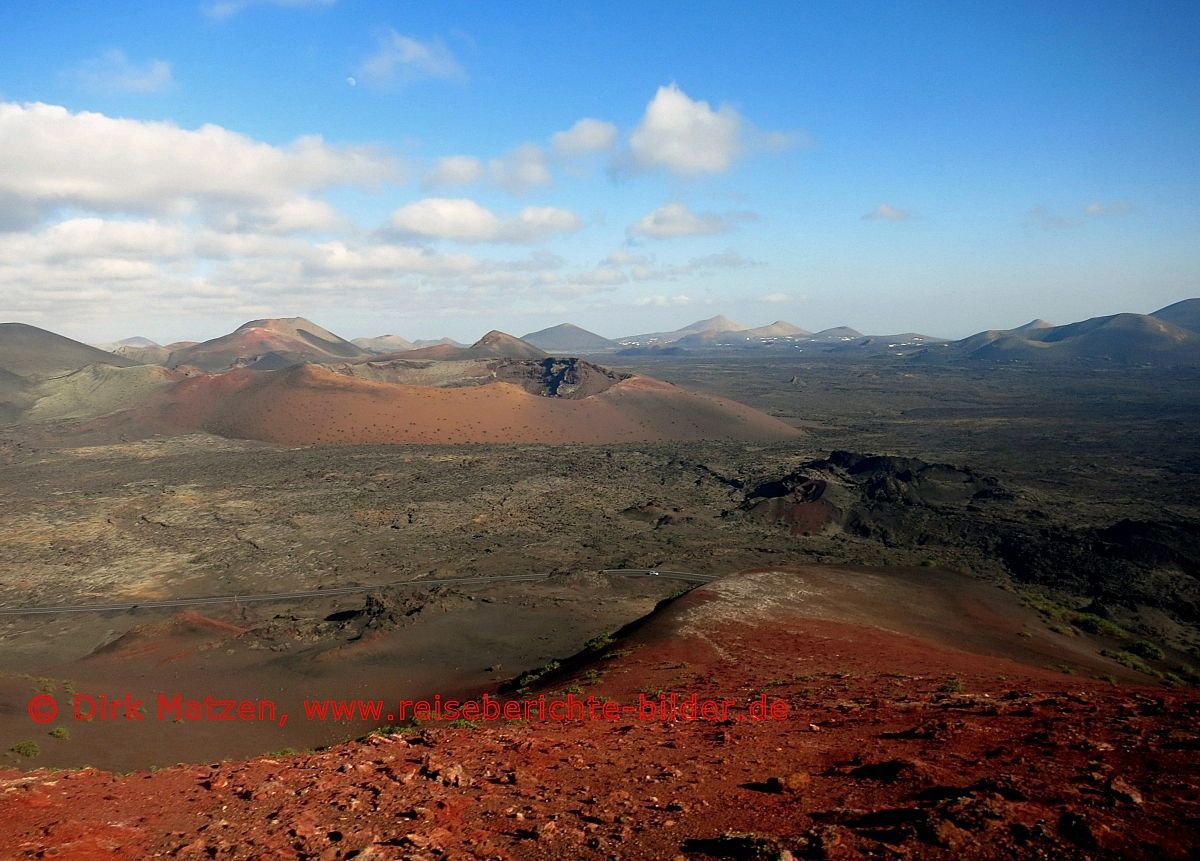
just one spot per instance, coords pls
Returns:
(715, 333)
(384, 344)
(291, 382)
(722, 335)
(493, 345)
(1170, 335)
(1167, 336)
(227, 385)
(711, 325)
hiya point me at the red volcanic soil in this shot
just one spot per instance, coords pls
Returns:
(181, 635)
(494, 344)
(294, 338)
(185, 406)
(308, 405)
(438, 352)
(894, 746)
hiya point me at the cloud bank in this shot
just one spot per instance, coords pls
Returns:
(466, 221)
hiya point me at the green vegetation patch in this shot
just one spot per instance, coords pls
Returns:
(27, 749)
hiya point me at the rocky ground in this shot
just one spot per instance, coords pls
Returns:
(1040, 729)
(1102, 442)
(1092, 523)
(894, 747)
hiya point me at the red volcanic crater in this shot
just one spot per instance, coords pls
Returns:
(312, 404)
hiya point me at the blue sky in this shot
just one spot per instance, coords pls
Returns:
(173, 169)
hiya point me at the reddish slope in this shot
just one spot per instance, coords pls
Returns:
(309, 405)
(437, 352)
(894, 746)
(493, 345)
(272, 343)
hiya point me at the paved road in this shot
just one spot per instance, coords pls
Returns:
(335, 591)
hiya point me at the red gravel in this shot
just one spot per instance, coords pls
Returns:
(894, 747)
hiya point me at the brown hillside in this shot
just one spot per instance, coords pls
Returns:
(888, 737)
(269, 344)
(33, 353)
(309, 405)
(493, 345)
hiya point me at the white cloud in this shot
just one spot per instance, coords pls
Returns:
(160, 222)
(120, 275)
(94, 268)
(522, 169)
(527, 166)
(246, 245)
(774, 298)
(675, 219)
(686, 136)
(95, 238)
(447, 218)
(225, 9)
(401, 59)
(727, 259)
(586, 136)
(297, 215)
(601, 275)
(661, 301)
(539, 260)
(1119, 207)
(302, 214)
(645, 267)
(51, 158)
(676, 133)
(887, 212)
(466, 221)
(454, 171)
(624, 257)
(340, 258)
(113, 72)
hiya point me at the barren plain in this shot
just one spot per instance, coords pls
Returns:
(1063, 457)
(971, 586)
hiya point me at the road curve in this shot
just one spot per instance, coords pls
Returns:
(335, 591)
